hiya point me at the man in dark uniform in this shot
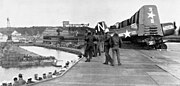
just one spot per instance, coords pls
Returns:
(97, 50)
(89, 46)
(116, 45)
(106, 48)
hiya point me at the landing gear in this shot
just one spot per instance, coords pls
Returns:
(161, 46)
(157, 46)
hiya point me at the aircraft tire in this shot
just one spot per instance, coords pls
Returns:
(163, 46)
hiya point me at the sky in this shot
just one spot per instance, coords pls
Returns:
(26, 13)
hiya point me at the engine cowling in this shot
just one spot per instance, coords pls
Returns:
(168, 29)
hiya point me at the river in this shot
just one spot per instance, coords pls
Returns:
(7, 75)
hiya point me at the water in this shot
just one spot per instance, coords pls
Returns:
(8, 74)
(51, 52)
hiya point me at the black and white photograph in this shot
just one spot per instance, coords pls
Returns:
(89, 42)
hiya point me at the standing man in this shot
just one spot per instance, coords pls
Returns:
(116, 45)
(106, 49)
(89, 46)
(97, 45)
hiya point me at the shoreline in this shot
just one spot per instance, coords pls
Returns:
(62, 71)
(65, 49)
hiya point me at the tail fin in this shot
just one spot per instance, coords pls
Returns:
(101, 28)
(149, 22)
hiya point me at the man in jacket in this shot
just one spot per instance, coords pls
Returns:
(107, 48)
(89, 46)
(116, 45)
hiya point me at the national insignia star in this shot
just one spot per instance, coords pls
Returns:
(127, 34)
(151, 15)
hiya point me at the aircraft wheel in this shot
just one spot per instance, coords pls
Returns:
(163, 46)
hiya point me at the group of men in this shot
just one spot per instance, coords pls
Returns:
(21, 81)
(93, 43)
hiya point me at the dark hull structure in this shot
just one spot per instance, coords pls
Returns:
(144, 27)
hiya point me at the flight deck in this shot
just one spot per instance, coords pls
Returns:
(139, 68)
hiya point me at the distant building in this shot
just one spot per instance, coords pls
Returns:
(67, 24)
(52, 39)
(15, 33)
(16, 36)
(50, 32)
(3, 38)
(22, 34)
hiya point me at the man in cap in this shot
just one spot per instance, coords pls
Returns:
(29, 81)
(21, 80)
(107, 48)
(89, 46)
(116, 45)
(16, 83)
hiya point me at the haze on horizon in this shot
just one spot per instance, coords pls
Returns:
(25, 13)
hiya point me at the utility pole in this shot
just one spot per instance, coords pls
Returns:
(8, 23)
(8, 27)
